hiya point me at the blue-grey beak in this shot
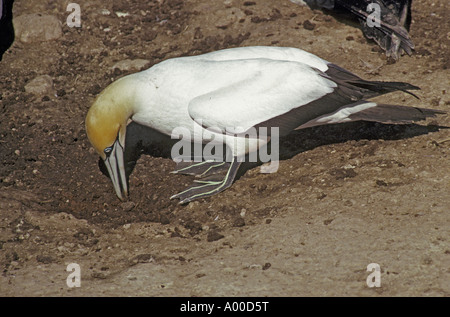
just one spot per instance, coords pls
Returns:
(116, 169)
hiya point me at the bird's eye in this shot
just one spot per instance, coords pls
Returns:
(108, 150)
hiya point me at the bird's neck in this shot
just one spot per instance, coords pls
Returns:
(119, 99)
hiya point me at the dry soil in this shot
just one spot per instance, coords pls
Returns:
(344, 196)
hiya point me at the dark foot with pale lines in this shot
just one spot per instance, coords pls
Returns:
(211, 181)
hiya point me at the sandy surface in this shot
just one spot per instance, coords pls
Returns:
(344, 196)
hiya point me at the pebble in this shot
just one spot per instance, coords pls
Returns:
(45, 259)
(122, 14)
(223, 19)
(131, 65)
(127, 206)
(37, 27)
(99, 275)
(238, 222)
(214, 236)
(308, 25)
(40, 86)
(228, 3)
(266, 266)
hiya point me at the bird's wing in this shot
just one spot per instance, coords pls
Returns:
(269, 89)
(290, 54)
(284, 94)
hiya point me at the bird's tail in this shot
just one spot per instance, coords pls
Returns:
(371, 111)
(394, 114)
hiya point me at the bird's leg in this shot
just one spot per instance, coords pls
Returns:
(201, 169)
(209, 186)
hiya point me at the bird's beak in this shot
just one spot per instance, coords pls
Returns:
(116, 169)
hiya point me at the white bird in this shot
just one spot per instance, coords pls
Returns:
(234, 90)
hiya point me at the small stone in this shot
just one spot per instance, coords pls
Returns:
(228, 3)
(308, 25)
(37, 27)
(142, 258)
(40, 86)
(122, 14)
(238, 222)
(326, 222)
(131, 65)
(99, 275)
(44, 259)
(266, 266)
(224, 19)
(214, 236)
(261, 187)
(127, 206)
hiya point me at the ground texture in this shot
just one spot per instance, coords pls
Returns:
(343, 197)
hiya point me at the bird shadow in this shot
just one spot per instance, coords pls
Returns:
(142, 140)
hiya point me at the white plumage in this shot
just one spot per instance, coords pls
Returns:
(231, 88)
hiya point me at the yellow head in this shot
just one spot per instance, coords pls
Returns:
(106, 124)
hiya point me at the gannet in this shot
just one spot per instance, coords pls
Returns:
(228, 92)
(387, 22)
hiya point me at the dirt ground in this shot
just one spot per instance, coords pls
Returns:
(344, 196)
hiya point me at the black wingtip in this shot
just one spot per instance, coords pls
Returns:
(430, 112)
(383, 87)
(395, 114)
